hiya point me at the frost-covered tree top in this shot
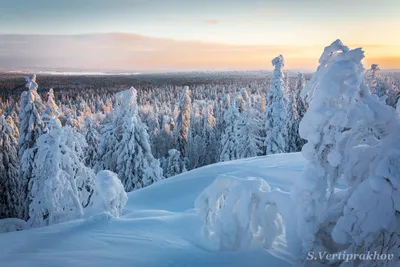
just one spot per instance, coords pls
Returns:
(51, 106)
(127, 100)
(278, 62)
(325, 61)
(31, 82)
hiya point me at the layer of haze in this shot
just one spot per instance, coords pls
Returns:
(176, 35)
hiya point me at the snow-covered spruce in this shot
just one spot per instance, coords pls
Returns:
(276, 113)
(229, 141)
(295, 111)
(52, 109)
(10, 184)
(249, 128)
(61, 185)
(31, 127)
(175, 164)
(92, 138)
(110, 194)
(323, 126)
(183, 121)
(351, 134)
(124, 145)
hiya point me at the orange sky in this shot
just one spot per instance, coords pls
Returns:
(131, 52)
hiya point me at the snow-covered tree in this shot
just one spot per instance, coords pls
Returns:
(296, 109)
(183, 121)
(125, 148)
(249, 127)
(301, 108)
(175, 165)
(321, 126)
(92, 137)
(371, 77)
(291, 126)
(52, 109)
(276, 113)
(10, 184)
(31, 127)
(61, 186)
(351, 135)
(229, 141)
(210, 138)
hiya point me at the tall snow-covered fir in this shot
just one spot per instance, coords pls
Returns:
(276, 114)
(124, 145)
(296, 109)
(31, 127)
(11, 199)
(229, 140)
(183, 121)
(92, 138)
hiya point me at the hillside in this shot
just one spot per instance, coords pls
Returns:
(159, 226)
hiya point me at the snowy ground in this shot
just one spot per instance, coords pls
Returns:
(159, 226)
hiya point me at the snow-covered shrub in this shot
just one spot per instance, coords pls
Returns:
(238, 214)
(12, 225)
(110, 193)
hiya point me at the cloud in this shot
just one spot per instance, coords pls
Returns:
(211, 21)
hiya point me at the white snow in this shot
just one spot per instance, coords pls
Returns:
(159, 226)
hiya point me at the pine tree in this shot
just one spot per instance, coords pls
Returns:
(10, 184)
(276, 113)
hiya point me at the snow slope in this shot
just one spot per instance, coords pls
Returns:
(159, 226)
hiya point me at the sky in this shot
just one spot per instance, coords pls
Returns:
(180, 35)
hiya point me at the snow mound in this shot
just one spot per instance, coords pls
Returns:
(237, 213)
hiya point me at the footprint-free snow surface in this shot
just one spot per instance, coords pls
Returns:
(159, 226)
